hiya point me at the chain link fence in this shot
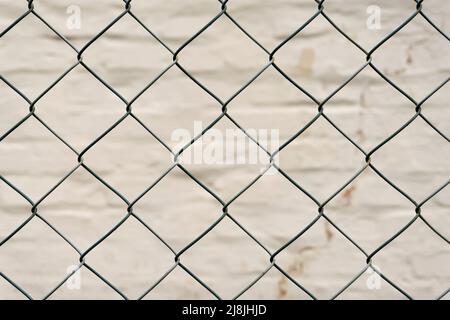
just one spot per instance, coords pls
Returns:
(222, 112)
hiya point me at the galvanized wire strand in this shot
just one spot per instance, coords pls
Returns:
(177, 62)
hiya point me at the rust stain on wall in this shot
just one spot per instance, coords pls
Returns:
(306, 62)
(328, 232)
(347, 195)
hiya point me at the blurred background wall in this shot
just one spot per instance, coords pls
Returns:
(80, 108)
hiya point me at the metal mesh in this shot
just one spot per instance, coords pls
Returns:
(177, 62)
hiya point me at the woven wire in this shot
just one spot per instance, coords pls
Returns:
(416, 107)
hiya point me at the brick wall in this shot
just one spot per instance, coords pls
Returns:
(79, 109)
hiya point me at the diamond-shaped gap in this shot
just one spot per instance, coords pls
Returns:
(179, 285)
(68, 110)
(369, 220)
(178, 209)
(33, 159)
(94, 16)
(14, 210)
(12, 108)
(274, 286)
(37, 258)
(170, 115)
(174, 21)
(371, 286)
(435, 211)
(435, 107)
(10, 12)
(223, 58)
(271, 102)
(82, 208)
(417, 261)
(321, 160)
(416, 160)
(128, 158)
(437, 13)
(9, 292)
(368, 109)
(358, 18)
(322, 260)
(131, 258)
(225, 159)
(319, 58)
(35, 56)
(424, 56)
(236, 258)
(273, 210)
(271, 21)
(127, 70)
(90, 287)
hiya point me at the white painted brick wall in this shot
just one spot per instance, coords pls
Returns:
(368, 109)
